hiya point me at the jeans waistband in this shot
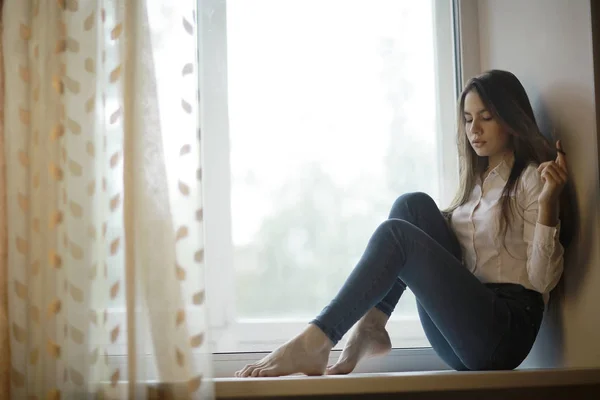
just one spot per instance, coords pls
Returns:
(517, 292)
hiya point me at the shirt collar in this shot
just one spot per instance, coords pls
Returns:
(505, 167)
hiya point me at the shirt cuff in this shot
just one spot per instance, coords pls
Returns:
(546, 235)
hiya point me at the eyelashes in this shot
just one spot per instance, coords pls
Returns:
(468, 121)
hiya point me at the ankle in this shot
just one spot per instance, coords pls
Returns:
(374, 319)
(315, 339)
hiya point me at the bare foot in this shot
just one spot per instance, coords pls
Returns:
(307, 353)
(368, 339)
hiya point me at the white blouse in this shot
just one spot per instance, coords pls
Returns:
(531, 254)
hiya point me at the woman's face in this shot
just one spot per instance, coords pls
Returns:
(486, 135)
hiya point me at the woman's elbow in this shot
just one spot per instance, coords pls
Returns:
(545, 284)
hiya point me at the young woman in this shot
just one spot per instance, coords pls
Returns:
(481, 270)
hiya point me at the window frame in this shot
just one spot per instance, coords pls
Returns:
(449, 25)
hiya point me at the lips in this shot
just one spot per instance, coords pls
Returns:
(478, 143)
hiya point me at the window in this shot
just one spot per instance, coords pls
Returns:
(316, 115)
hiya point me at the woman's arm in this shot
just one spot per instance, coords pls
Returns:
(541, 233)
(542, 192)
(548, 214)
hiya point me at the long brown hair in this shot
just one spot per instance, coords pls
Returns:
(505, 98)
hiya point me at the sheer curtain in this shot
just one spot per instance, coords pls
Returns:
(103, 217)
(4, 331)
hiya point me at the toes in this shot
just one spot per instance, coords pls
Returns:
(331, 370)
(246, 371)
(338, 369)
(240, 373)
(269, 372)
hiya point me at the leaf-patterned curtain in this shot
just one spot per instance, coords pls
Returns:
(103, 217)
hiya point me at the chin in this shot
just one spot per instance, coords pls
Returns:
(481, 152)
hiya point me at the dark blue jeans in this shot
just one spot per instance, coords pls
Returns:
(470, 325)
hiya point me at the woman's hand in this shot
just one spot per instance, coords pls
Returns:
(554, 176)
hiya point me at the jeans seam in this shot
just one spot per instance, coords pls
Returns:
(356, 303)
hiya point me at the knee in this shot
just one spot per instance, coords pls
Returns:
(393, 227)
(415, 198)
(411, 201)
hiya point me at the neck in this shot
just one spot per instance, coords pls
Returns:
(495, 160)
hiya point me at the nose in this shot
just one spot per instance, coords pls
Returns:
(475, 127)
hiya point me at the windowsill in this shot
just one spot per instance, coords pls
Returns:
(402, 382)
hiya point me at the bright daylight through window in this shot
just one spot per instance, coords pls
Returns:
(316, 116)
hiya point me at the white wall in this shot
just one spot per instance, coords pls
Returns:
(548, 45)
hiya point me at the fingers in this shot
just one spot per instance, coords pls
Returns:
(554, 173)
(552, 164)
(558, 171)
(561, 158)
(549, 174)
(544, 165)
(559, 166)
